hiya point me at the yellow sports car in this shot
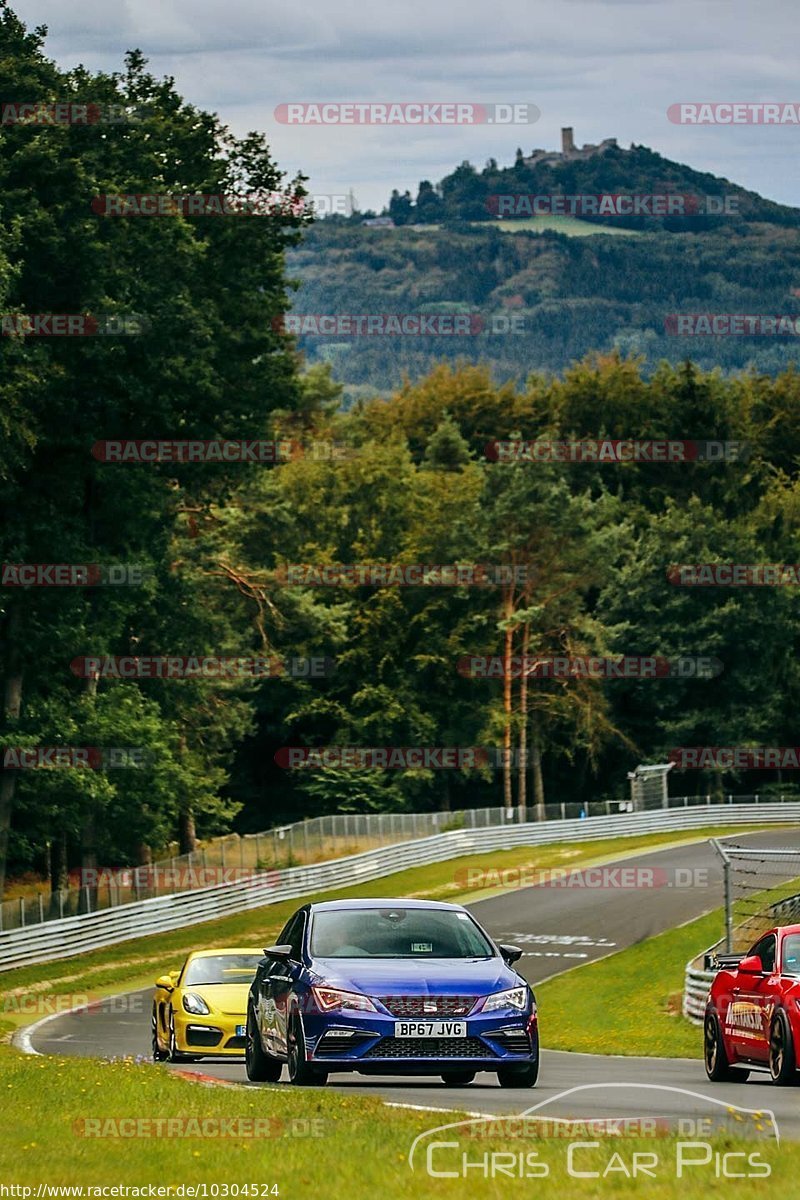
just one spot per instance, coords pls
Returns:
(201, 1010)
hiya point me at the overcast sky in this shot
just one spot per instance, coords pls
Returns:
(610, 68)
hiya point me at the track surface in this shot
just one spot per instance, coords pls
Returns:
(557, 928)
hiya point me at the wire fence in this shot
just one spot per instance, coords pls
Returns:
(236, 858)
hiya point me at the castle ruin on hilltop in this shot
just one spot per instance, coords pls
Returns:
(569, 152)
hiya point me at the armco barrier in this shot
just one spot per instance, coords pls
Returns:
(77, 935)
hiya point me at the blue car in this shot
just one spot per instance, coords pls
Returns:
(400, 987)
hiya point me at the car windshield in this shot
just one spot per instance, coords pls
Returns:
(222, 968)
(791, 954)
(397, 933)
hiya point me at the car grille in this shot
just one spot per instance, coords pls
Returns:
(197, 1035)
(423, 1006)
(466, 1047)
(236, 1043)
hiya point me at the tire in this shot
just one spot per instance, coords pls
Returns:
(718, 1068)
(159, 1055)
(301, 1073)
(523, 1076)
(259, 1066)
(519, 1077)
(782, 1058)
(173, 1054)
(458, 1078)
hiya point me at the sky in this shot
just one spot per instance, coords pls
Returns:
(609, 68)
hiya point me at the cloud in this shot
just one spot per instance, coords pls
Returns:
(608, 67)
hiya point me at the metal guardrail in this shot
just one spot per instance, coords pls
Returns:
(697, 981)
(92, 931)
(316, 839)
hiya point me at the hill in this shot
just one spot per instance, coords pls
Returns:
(545, 297)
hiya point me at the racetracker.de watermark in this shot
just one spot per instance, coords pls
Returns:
(24, 325)
(615, 450)
(610, 204)
(218, 450)
(194, 204)
(588, 666)
(735, 112)
(42, 113)
(343, 325)
(414, 112)
(735, 758)
(734, 574)
(156, 877)
(213, 1128)
(404, 574)
(732, 325)
(69, 575)
(612, 878)
(93, 758)
(203, 666)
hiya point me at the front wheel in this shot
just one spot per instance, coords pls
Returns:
(715, 1056)
(301, 1072)
(259, 1066)
(159, 1055)
(782, 1060)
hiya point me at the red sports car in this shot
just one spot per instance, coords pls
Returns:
(753, 1011)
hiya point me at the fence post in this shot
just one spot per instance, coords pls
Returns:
(41, 908)
(305, 839)
(88, 899)
(563, 811)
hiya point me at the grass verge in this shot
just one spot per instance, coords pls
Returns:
(630, 1002)
(81, 1122)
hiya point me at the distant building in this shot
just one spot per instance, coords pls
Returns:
(569, 152)
(379, 222)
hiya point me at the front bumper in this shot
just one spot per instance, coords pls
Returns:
(366, 1042)
(214, 1034)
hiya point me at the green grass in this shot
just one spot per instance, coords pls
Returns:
(630, 1002)
(319, 1142)
(128, 966)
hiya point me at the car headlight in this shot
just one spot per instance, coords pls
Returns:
(195, 1004)
(513, 998)
(327, 999)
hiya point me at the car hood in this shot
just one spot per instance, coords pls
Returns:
(417, 977)
(228, 998)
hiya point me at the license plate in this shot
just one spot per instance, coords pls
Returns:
(241, 1030)
(431, 1029)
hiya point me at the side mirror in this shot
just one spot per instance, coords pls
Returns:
(167, 982)
(751, 964)
(284, 953)
(510, 953)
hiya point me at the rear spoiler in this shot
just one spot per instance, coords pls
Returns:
(721, 962)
